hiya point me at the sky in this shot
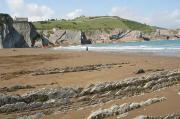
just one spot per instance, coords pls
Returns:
(161, 13)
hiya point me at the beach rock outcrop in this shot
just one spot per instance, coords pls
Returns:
(15, 88)
(19, 106)
(33, 116)
(124, 108)
(47, 94)
(170, 116)
(9, 99)
(76, 69)
(152, 81)
(41, 99)
(65, 98)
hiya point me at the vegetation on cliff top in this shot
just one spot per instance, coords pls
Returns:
(83, 23)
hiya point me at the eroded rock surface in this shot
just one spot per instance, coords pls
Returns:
(75, 98)
(170, 116)
(7, 76)
(15, 88)
(33, 116)
(124, 108)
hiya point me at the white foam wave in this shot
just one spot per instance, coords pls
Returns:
(117, 48)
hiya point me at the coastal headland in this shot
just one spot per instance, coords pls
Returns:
(16, 33)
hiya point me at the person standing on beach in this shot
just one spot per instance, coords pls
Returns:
(87, 49)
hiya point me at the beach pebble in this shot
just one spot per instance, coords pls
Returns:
(149, 84)
(140, 71)
(122, 115)
(141, 117)
(179, 93)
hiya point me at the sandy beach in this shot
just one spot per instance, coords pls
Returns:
(79, 59)
(17, 67)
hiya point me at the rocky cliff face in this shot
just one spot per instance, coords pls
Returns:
(66, 37)
(16, 34)
(6, 29)
(120, 35)
(71, 37)
(75, 37)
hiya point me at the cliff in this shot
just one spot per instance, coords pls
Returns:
(17, 34)
(101, 29)
(58, 37)
(76, 37)
(82, 30)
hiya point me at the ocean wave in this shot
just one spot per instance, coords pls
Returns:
(167, 47)
(120, 48)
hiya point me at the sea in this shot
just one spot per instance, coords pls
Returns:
(157, 47)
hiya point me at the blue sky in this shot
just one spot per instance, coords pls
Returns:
(163, 13)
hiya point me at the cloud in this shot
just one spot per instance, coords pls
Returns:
(15, 4)
(37, 11)
(166, 19)
(127, 13)
(74, 14)
(33, 11)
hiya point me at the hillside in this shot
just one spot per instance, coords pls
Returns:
(106, 23)
(82, 30)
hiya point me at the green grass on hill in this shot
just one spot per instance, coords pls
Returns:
(105, 23)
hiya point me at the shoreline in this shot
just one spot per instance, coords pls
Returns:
(162, 48)
(158, 54)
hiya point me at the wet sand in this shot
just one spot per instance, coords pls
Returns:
(18, 60)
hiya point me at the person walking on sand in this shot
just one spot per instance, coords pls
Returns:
(87, 49)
